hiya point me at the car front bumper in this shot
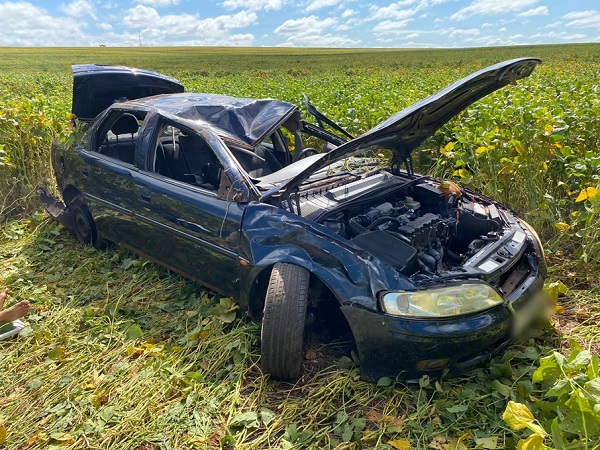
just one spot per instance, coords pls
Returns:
(410, 348)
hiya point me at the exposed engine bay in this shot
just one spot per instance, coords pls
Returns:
(422, 227)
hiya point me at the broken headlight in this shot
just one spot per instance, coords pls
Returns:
(441, 302)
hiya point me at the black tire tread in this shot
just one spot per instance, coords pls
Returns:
(84, 210)
(284, 317)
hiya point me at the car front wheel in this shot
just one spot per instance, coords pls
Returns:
(284, 317)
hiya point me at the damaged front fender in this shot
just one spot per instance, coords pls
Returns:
(271, 235)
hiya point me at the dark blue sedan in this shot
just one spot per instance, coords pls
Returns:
(302, 223)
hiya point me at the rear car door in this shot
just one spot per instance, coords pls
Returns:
(105, 173)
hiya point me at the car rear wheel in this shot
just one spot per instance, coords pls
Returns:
(84, 225)
(284, 317)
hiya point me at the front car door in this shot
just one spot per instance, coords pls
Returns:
(195, 228)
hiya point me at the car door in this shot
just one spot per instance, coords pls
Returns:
(195, 231)
(105, 174)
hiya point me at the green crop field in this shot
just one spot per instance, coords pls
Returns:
(120, 354)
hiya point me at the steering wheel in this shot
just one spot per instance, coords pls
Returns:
(306, 152)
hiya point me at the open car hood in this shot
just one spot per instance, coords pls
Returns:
(407, 129)
(96, 87)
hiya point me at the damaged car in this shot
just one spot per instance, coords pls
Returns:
(301, 222)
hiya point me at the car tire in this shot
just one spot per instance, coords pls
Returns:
(84, 226)
(284, 317)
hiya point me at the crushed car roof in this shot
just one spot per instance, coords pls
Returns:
(243, 119)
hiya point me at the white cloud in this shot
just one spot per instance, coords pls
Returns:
(313, 5)
(490, 7)
(583, 19)
(305, 25)
(306, 32)
(158, 3)
(391, 12)
(348, 13)
(391, 26)
(454, 33)
(186, 29)
(104, 26)
(539, 11)
(140, 17)
(79, 8)
(23, 24)
(253, 5)
(562, 35)
(487, 25)
(411, 35)
(554, 24)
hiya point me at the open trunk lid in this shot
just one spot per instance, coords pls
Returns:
(96, 87)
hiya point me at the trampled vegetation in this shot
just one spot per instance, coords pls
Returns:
(121, 354)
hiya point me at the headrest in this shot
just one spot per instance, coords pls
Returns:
(125, 124)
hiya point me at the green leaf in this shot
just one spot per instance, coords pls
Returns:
(550, 368)
(248, 419)
(227, 317)
(574, 422)
(341, 417)
(345, 363)
(347, 433)
(593, 387)
(134, 332)
(457, 409)
(359, 424)
(384, 382)
(35, 383)
(579, 360)
(560, 388)
(557, 435)
(503, 389)
(266, 416)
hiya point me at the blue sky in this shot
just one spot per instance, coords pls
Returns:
(298, 23)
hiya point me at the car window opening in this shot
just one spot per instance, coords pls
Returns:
(119, 141)
(186, 158)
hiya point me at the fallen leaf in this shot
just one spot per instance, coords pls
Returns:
(374, 415)
(518, 417)
(2, 434)
(439, 443)
(489, 443)
(400, 444)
